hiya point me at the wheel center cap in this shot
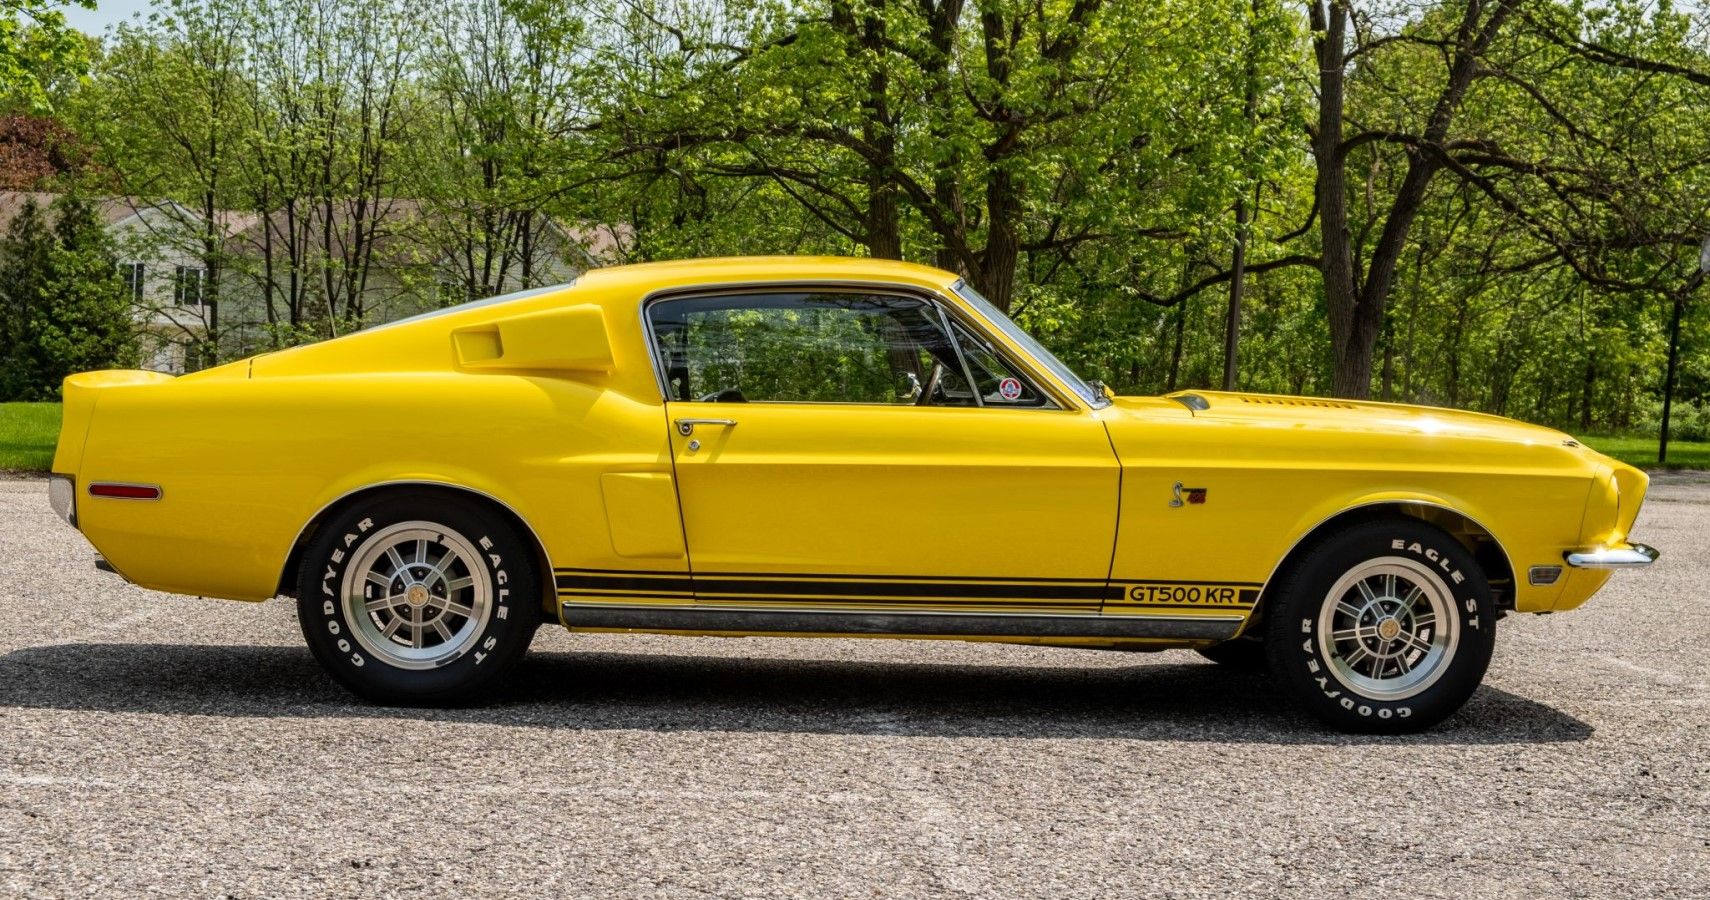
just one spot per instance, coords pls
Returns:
(1387, 628)
(417, 595)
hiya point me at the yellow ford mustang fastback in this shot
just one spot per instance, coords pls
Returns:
(826, 447)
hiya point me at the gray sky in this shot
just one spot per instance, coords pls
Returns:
(107, 12)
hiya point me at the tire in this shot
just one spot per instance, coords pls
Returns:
(1386, 627)
(463, 605)
(1241, 654)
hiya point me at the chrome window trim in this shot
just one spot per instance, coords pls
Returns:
(1063, 400)
(1100, 401)
(949, 326)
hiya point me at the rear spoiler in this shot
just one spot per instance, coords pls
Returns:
(80, 392)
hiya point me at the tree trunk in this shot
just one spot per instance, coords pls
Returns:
(1353, 304)
(1388, 362)
(1351, 374)
(1003, 242)
(1176, 349)
(1237, 279)
(884, 229)
(1588, 392)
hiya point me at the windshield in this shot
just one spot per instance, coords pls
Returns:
(1030, 346)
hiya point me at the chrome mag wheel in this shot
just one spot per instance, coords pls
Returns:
(416, 595)
(1388, 629)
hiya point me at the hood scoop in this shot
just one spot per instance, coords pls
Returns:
(1192, 401)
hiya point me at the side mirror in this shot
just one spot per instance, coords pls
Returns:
(556, 340)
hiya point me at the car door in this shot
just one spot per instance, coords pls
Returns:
(863, 449)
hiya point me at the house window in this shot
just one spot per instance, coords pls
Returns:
(189, 286)
(132, 273)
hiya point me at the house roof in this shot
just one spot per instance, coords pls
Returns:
(111, 210)
(402, 230)
(398, 238)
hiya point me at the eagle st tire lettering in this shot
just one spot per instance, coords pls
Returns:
(493, 606)
(1382, 700)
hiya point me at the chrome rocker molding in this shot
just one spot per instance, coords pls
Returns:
(1632, 556)
(743, 619)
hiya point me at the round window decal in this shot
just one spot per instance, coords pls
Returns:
(1009, 389)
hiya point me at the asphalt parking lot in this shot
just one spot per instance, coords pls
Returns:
(161, 745)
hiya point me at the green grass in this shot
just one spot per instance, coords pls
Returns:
(1641, 451)
(27, 435)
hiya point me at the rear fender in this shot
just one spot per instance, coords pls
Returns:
(80, 393)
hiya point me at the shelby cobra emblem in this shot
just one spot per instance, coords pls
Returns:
(827, 447)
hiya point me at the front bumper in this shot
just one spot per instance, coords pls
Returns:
(1627, 556)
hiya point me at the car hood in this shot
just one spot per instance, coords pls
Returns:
(1358, 416)
(1262, 429)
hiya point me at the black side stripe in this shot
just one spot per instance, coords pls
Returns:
(738, 599)
(674, 583)
(814, 576)
(711, 586)
(1012, 591)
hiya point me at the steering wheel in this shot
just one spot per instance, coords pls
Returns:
(932, 380)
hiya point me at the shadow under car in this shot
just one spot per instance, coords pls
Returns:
(1187, 701)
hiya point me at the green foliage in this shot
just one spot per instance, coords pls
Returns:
(38, 53)
(63, 307)
(1080, 162)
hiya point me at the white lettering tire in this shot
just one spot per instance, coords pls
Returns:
(1385, 627)
(418, 600)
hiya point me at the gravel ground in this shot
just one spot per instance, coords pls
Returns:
(161, 745)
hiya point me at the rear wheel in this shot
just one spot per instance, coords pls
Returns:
(417, 600)
(1386, 627)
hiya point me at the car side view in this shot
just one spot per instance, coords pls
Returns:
(826, 447)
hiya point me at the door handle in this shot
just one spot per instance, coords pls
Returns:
(686, 427)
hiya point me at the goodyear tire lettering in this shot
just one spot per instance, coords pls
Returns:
(506, 630)
(1304, 590)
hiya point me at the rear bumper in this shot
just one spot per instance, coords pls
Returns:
(1626, 556)
(62, 496)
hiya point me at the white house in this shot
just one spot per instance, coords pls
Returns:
(166, 279)
(415, 262)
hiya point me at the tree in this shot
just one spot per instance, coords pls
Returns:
(502, 84)
(65, 308)
(165, 110)
(36, 48)
(993, 138)
(35, 150)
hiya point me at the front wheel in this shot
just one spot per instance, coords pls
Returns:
(412, 600)
(1386, 627)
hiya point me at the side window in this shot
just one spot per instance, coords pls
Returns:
(998, 383)
(807, 348)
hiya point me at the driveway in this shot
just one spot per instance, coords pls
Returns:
(152, 744)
